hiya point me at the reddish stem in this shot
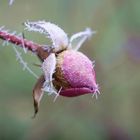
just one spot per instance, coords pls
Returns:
(42, 52)
(19, 41)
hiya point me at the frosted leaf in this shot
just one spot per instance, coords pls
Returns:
(56, 34)
(78, 39)
(38, 93)
(48, 67)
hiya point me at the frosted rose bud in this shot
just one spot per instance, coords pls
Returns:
(66, 71)
(74, 74)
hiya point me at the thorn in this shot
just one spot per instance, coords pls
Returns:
(24, 48)
(57, 94)
(38, 65)
(96, 93)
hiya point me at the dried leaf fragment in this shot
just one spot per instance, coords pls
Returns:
(38, 93)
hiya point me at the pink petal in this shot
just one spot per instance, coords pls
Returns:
(79, 72)
(72, 92)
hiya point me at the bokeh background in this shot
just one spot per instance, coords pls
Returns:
(116, 51)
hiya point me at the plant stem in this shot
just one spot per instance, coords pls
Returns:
(19, 41)
(41, 51)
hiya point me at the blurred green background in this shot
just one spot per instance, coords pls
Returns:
(116, 51)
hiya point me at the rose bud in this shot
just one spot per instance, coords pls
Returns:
(66, 71)
(74, 74)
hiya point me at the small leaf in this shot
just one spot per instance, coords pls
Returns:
(56, 34)
(38, 93)
(48, 67)
(78, 39)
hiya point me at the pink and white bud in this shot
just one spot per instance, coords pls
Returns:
(66, 71)
(74, 74)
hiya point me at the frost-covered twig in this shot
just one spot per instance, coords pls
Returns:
(42, 51)
(23, 43)
(18, 40)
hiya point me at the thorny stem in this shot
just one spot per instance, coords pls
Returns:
(41, 51)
